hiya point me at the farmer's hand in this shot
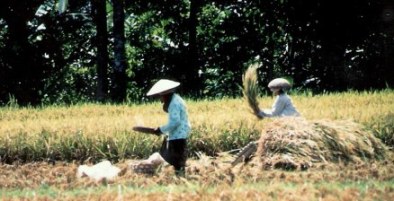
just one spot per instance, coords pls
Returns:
(158, 131)
(260, 114)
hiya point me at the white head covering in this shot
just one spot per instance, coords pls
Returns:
(279, 83)
(163, 86)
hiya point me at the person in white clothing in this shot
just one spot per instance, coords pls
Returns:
(283, 105)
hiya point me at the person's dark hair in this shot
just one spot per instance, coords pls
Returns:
(167, 101)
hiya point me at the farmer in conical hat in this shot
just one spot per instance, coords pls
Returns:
(283, 105)
(178, 127)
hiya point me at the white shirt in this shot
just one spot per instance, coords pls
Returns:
(178, 126)
(282, 107)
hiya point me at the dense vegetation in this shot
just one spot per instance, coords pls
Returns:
(67, 51)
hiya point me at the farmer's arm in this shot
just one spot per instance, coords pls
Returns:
(174, 119)
(277, 108)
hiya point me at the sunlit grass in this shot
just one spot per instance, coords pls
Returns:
(85, 133)
(285, 191)
(102, 131)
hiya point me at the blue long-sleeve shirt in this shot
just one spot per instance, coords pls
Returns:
(178, 125)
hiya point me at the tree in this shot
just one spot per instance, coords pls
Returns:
(100, 18)
(60, 55)
(194, 83)
(22, 73)
(119, 68)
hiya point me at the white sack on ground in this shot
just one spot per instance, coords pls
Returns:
(98, 172)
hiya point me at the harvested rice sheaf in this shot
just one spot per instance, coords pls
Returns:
(295, 143)
(250, 87)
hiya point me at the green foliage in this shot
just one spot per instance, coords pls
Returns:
(47, 146)
(383, 128)
(54, 59)
(213, 141)
(79, 147)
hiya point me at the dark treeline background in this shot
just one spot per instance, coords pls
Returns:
(67, 51)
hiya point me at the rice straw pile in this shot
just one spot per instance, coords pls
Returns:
(250, 87)
(294, 143)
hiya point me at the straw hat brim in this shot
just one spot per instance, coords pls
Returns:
(163, 86)
(279, 83)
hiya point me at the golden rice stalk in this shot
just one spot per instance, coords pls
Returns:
(250, 87)
(293, 142)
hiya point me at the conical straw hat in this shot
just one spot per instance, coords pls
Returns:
(163, 86)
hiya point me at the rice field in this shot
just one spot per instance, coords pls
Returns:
(41, 149)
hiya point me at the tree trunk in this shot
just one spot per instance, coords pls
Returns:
(100, 19)
(24, 70)
(193, 82)
(387, 26)
(119, 69)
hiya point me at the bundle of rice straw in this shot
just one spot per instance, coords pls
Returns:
(250, 87)
(295, 143)
(148, 166)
